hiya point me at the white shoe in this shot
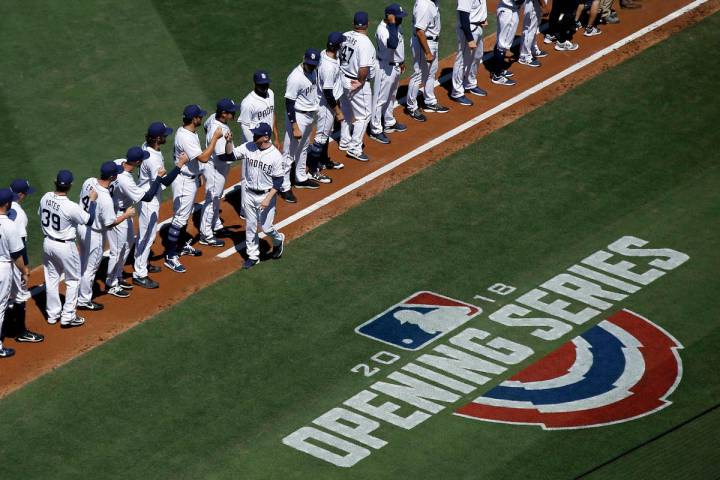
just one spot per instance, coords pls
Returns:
(566, 46)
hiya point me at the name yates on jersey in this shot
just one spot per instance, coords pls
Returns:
(623, 368)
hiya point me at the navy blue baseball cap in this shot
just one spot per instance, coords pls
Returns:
(64, 178)
(335, 39)
(110, 169)
(192, 111)
(261, 77)
(360, 19)
(312, 56)
(395, 9)
(262, 130)
(227, 105)
(159, 129)
(136, 155)
(7, 196)
(21, 186)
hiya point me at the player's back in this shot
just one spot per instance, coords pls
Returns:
(356, 52)
(9, 239)
(59, 216)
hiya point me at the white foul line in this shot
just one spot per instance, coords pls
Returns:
(471, 123)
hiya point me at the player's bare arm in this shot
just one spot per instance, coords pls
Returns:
(424, 45)
(204, 157)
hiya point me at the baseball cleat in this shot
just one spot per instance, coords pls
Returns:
(278, 249)
(125, 285)
(549, 39)
(540, 54)
(154, 269)
(462, 101)
(500, 80)
(190, 251)
(52, 321)
(319, 177)
(288, 196)
(358, 156)
(75, 322)
(566, 46)
(592, 31)
(6, 352)
(92, 306)
(379, 137)
(435, 108)
(507, 73)
(532, 62)
(250, 262)
(477, 91)
(223, 232)
(212, 242)
(330, 165)
(145, 282)
(397, 127)
(309, 183)
(118, 291)
(173, 263)
(342, 148)
(416, 115)
(29, 337)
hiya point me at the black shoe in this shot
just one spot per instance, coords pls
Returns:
(92, 306)
(397, 127)
(309, 183)
(223, 232)
(416, 115)
(118, 291)
(30, 337)
(330, 165)
(145, 282)
(212, 242)
(75, 322)
(250, 262)
(288, 196)
(6, 352)
(125, 285)
(436, 108)
(154, 269)
(190, 251)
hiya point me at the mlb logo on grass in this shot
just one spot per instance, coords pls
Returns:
(418, 320)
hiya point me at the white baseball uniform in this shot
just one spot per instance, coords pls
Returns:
(121, 237)
(531, 24)
(508, 18)
(301, 87)
(10, 243)
(328, 79)
(92, 238)
(215, 173)
(387, 78)
(20, 291)
(260, 168)
(426, 17)
(464, 75)
(185, 186)
(148, 216)
(356, 52)
(59, 218)
(255, 110)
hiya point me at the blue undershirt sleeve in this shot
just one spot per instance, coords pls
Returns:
(465, 24)
(91, 212)
(277, 183)
(170, 177)
(290, 108)
(393, 39)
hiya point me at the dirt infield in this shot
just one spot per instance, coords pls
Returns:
(60, 346)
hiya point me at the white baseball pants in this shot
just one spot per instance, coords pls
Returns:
(6, 283)
(215, 176)
(531, 24)
(61, 258)
(91, 252)
(121, 238)
(296, 150)
(507, 23)
(147, 231)
(184, 189)
(254, 216)
(387, 80)
(464, 74)
(20, 292)
(356, 106)
(325, 124)
(423, 75)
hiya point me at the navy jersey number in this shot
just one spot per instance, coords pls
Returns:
(346, 54)
(48, 218)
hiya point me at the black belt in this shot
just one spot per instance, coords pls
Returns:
(258, 192)
(350, 76)
(57, 239)
(434, 39)
(306, 112)
(477, 24)
(188, 175)
(393, 64)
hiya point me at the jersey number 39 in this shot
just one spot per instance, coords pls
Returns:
(47, 218)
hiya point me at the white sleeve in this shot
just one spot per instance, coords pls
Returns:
(465, 5)
(423, 19)
(14, 241)
(291, 90)
(245, 112)
(130, 188)
(77, 215)
(106, 212)
(191, 146)
(277, 166)
(366, 55)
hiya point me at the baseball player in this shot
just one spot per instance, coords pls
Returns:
(258, 107)
(184, 189)
(472, 18)
(561, 27)
(529, 50)
(301, 104)
(148, 219)
(264, 169)
(59, 219)
(391, 64)
(216, 171)
(329, 92)
(92, 237)
(19, 294)
(508, 17)
(11, 256)
(357, 61)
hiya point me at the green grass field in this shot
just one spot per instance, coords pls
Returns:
(210, 388)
